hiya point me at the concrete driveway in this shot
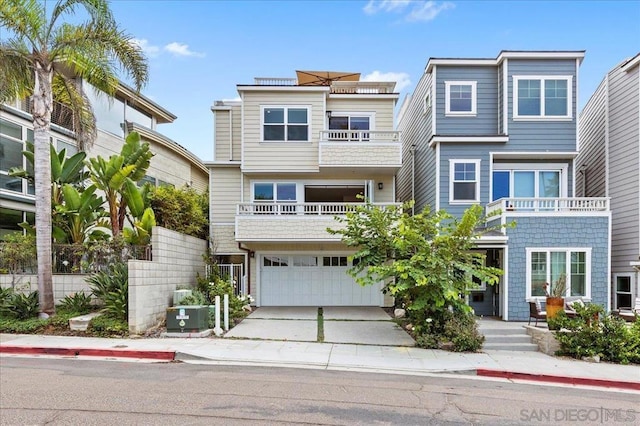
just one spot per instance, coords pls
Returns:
(355, 325)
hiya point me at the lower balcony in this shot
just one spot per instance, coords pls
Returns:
(292, 222)
(548, 206)
(360, 148)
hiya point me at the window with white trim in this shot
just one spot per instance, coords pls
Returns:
(542, 97)
(426, 105)
(460, 98)
(285, 124)
(464, 181)
(544, 182)
(557, 265)
(275, 192)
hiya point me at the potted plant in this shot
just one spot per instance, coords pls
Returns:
(555, 296)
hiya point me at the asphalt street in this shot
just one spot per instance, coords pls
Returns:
(64, 392)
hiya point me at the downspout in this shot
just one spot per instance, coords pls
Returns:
(250, 254)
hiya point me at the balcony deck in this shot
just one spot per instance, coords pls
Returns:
(547, 206)
(360, 148)
(293, 222)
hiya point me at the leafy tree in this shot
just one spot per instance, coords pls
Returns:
(426, 260)
(181, 210)
(43, 56)
(116, 177)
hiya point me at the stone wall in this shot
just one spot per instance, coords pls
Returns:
(544, 338)
(63, 284)
(177, 258)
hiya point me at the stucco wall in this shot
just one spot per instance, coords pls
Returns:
(177, 258)
(549, 232)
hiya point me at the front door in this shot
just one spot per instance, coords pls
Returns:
(485, 301)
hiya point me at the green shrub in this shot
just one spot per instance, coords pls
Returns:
(21, 306)
(592, 333)
(462, 331)
(78, 303)
(60, 321)
(27, 326)
(195, 298)
(107, 326)
(111, 287)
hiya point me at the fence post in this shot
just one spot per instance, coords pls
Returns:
(217, 330)
(226, 312)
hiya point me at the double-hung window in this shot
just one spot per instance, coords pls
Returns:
(285, 124)
(460, 98)
(279, 197)
(568, 267)
(464, 182)
(548, 97)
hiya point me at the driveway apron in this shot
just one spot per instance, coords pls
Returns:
(348, 325)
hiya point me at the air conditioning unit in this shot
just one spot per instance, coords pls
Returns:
(187, 319)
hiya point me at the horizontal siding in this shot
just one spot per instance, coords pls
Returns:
(236, 113)
(222, 136)
(199, 180)
(382, 108)
(224, 193)
(592, 158)
(416, 127)
(624, 147)
(543, 135)
(486, 120)
(282, 156)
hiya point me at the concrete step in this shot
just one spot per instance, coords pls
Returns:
(502, 331)
(521, 347)
(507, 338)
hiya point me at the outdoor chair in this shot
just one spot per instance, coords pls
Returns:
(569, 307)
(630, 314)
(535, 311)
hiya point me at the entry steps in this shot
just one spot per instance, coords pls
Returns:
(505, 336)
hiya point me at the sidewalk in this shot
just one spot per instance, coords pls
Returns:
(382, 359)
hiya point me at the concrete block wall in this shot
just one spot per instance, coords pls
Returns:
(563, 231)
(63, 284)
(177, 258)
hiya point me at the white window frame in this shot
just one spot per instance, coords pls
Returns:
(563, 168)
(543, 116)
(630, 292)
(275, 191)
(567, 251)
(285, 123)
(452, 163)
(447, 98)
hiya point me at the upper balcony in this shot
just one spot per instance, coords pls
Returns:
(292, 222)
(378, 150)
(335, 87)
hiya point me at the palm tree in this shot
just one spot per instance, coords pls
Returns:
(44, 57)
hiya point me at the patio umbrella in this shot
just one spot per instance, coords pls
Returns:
(324, 78)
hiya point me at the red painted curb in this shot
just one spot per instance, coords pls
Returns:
(117, 353)
(559, 379)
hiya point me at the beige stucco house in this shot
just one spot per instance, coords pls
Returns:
(126, 112)
(289, 156)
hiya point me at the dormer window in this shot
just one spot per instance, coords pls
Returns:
(460, 98)
(547, 97)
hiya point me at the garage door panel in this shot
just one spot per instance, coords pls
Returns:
(282, 283)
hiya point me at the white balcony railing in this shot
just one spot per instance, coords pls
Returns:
(362, 87)
(275, 81)
(546, 205)
(310, 209)
(359, 136)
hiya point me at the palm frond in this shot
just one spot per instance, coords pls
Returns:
(68, 92)
(16, 75)
(25, 18)
(97, 9)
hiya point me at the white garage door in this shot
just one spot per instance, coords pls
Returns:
(312, 280)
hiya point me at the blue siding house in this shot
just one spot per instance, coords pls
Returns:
(503, 133)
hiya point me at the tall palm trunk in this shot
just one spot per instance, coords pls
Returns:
(42, 108)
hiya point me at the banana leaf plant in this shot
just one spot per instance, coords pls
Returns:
(81, 217)
(142, 218)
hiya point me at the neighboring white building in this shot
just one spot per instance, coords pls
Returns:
(127, 111)
(288, 157)
(609, 166)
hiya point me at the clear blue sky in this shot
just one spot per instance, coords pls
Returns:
(200, 49)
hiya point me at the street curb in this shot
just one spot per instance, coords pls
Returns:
(116, 353)
(558, 379)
